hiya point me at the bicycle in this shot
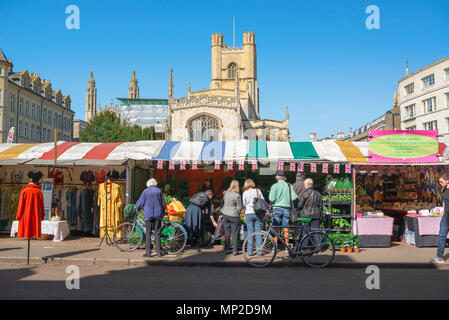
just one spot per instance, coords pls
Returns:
(316, 248)
(128, 236)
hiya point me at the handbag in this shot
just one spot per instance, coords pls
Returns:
(199, 199)
(260, 206)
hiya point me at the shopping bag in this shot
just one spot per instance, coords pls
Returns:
(176, 208)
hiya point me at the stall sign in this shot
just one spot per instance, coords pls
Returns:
(403, 146)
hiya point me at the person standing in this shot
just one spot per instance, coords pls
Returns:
(232, 206)
(310, 204)
(153, 202)
(253, 223)
(298, 186)
(444, 224)
(30, 211)
(193, 221)
(280, 195)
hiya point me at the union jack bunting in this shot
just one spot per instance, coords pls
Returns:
(325, 167)
(230, 165)
(182, 166)
(194, 165)
(160, 164)
(255, 165)
(171, 165)
(217, 164)
(381, 170)
(292, 166)
(336, 168)
(393, 169)
(446, 169)
(281, 166)
(313, 167)
(301, 167)
(348, 168)
(404, 169)
(241, 165)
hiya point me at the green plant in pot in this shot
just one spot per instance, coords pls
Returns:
(356, 240)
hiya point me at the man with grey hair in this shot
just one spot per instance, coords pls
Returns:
(311, 205)
(152, 200)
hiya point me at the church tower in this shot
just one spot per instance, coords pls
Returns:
(91, 98)
(226, 62)
(133, 90)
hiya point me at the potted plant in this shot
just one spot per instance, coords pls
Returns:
(350, 243)
(356, 243)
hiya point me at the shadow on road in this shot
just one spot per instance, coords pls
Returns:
(68, 254)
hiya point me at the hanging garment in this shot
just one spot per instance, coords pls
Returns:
(87, 177)
(30, 211)
(13, 201)
(57, 175)
(96, 209)
(71, 208)
(85, 206)
(4, 204)
(100, 176)
(114, 210)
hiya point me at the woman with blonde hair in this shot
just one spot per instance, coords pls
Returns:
(253, 222)
(232, 205)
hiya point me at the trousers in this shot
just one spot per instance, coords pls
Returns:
(231, 227)
(150, 225)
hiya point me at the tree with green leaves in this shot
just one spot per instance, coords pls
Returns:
(107, 127)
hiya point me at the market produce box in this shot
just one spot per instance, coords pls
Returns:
(375, 241)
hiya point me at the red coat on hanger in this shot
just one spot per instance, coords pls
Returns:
(30, 211)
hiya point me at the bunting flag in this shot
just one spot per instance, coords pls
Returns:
(230, 165)
(404, 169)
(348, 168)
(369, 170)
(292, 166)
(171, 165)
(182, 166)
(160, 164)
(241, 165)
(446, 169)
(255, 165)
(313, 167)
(217, 164)
(337, 168)
(301, 167)
(281, 165)
(325, 168)
(194, 165)
(380, 171)
(393, 169)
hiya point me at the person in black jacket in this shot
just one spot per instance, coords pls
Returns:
(310, 205)
(444, 224)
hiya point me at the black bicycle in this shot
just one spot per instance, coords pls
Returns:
(315, 248)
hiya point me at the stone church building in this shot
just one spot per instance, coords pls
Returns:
(229, 110)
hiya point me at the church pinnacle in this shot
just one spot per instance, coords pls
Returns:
(170, 84)
(91, 98)
(133, 90)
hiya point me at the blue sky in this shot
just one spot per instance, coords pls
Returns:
(316, 57)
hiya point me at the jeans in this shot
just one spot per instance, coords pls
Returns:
(281, 217)
(156, 225)
(444, 229)
(253, 224)
(231, 226)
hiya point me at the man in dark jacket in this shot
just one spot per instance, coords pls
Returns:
(152, 200)
(444, 224)
(311, 205)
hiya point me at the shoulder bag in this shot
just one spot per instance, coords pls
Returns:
(260, 206)
(294, 212)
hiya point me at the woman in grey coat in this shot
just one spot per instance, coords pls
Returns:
(232, 206)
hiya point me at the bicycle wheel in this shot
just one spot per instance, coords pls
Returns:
(173, 238)
(317, 249)
(127, 237)
(259, 249)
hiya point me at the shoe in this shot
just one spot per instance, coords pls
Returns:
(235, 253)
(251, 254)
(160, 255)
(146, 255)
(286, 250)
(437, 260)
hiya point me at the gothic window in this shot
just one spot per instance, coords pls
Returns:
(203, 129)
(232, 69)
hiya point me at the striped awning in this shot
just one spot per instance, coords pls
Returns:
(92, 154)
